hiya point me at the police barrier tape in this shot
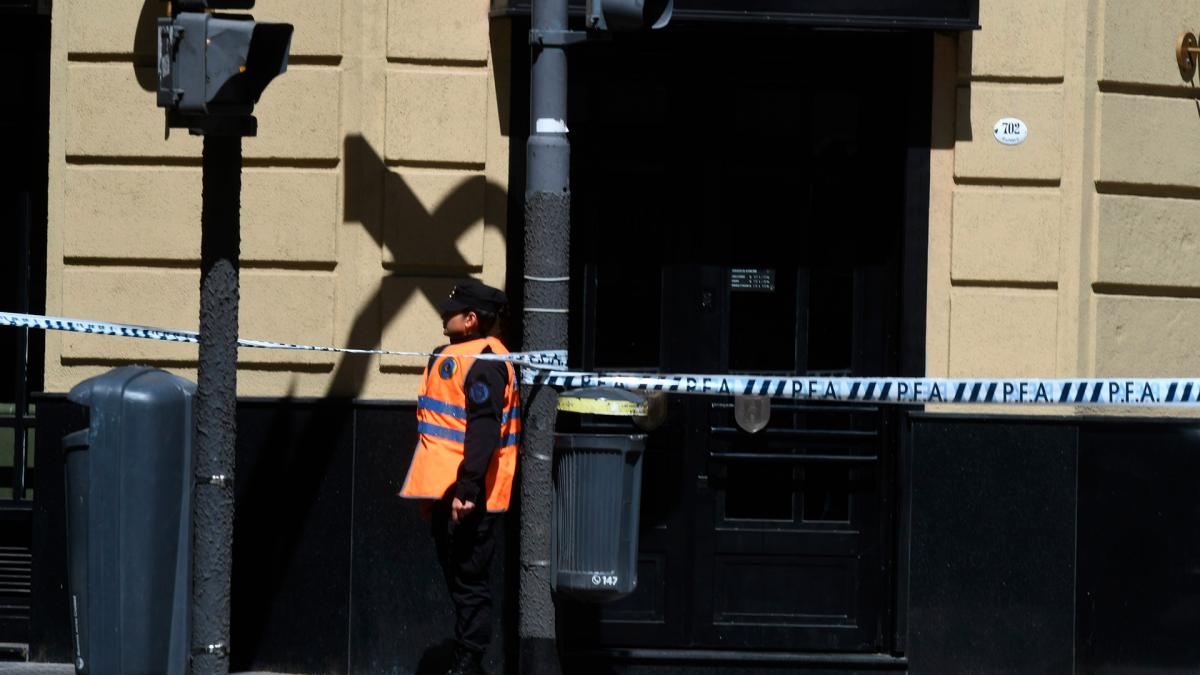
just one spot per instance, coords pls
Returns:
(552, 358)
(897, 390)
(1173, 392)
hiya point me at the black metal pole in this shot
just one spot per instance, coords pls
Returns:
(216, 404)
(546, 291)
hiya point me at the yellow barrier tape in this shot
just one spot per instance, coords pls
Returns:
(601, 406)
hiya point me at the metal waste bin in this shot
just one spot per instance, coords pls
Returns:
(597, 501)
(129, 491)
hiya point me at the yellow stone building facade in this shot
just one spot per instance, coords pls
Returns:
(380, 168)
(1069, 255)
(381, 172)
(388, 165)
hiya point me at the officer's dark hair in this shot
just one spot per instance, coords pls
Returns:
(487, 320)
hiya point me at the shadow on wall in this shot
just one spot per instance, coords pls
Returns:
(283, 490)
(962, 124)
(1195, 91)
(408, 233)
(145, 44)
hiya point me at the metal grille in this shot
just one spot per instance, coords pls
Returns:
(589, 498)
(15, 579)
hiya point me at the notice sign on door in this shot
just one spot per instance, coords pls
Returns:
(751, 279)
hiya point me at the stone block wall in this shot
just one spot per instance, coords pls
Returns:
(1144, 224)
(379, 176)
(1071, 254)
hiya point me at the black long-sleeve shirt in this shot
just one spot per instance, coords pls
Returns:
(484, 386)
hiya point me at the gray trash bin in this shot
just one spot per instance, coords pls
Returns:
(597, 495)
(129, 489)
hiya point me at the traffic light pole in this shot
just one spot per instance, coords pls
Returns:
(212, 68)
(546, 289)
(216, 403)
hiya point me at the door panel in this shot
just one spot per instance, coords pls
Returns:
(738, 210)
(797, 507)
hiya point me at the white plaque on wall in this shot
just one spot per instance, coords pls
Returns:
(1010, 131)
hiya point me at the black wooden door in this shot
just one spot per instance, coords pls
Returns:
(740, 210)
(778, 539)
(787, 522)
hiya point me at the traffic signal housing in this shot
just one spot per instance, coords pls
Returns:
(213, 68)
(628, 15)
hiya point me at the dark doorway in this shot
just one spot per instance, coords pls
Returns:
(24, 124)
(754, 200)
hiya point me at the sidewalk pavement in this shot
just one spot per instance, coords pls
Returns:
(64, 669)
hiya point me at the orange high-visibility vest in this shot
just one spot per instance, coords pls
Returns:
(442, 427)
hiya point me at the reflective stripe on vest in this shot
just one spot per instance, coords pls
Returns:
(439, 431)
(459, 412)
(442, 407)
(442, 426)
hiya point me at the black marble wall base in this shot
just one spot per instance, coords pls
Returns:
(1139, 548)
(292, 536)
(49, 621)
(332, 572)
(1054, 546)
(992, 568)
(400, 610)
(1034, 546)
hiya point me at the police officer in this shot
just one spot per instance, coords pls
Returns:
(468, 423)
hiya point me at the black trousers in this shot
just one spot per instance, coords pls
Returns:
(465, 552)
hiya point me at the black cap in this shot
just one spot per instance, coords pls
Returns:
(472, 294)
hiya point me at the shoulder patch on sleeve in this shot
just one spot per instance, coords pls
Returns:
(480, 393)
